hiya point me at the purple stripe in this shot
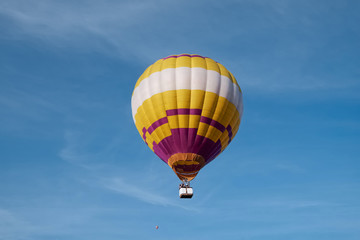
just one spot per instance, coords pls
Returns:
(183, 55)
(216, 151)
(157, 124)
(213, 123)
(183, 111)
(229, 129)
(186, 140)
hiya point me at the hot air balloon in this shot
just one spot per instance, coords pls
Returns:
(187, 109)
(156, 227)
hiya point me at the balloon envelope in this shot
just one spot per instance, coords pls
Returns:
(187, 109)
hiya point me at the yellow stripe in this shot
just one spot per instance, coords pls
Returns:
(208, 131)
(219, 109)
(224, 139)
(213, 106)
(236, 128)
(185, 61)
(161, 132)
(150, 111)
(235, 121)
(234, 124)
(149, 141)
(183, 121)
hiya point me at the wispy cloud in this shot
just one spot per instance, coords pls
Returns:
(12, 227)
(113, 24)
(76, 151)
(288, 203)
(25, 108)
(287, 215)
(273, 46)
(73, 150)
(82, 148)
(147, 195)
(53, 220)
(290, 167)
(142, 29)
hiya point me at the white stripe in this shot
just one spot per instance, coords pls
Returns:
(192, 79)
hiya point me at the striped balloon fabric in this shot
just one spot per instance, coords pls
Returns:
(187, 108)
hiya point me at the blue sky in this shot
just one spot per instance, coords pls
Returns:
(72, 165)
